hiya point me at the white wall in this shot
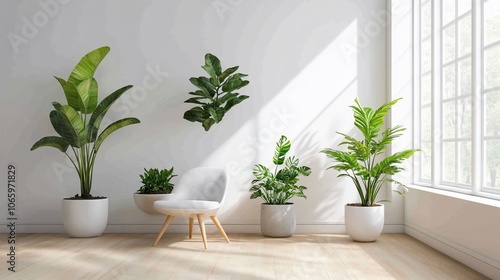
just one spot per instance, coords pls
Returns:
(306, 60)
(465, 229)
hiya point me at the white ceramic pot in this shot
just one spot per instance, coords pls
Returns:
(277, 220)
(364, 223)
(145, 201)
(85, 217)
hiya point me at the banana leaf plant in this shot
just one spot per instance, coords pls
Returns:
(78, 122)
(281, 185)
(215, 94)
(365, 160)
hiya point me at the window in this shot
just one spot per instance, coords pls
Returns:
(457, 95)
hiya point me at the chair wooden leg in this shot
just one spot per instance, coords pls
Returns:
(191, 222)
(202, 229)
(163, 229)
(218, 225)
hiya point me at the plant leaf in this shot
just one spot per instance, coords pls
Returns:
(282, 147)
(235, 101)
(195, 100)
(207, 124)
(100, 112)
(87, 92)
(261, 172)
(68, 124)
(224, 98)
(204, 84)
(196, 114)
(112, 128)
(212, 65)
(234, 84)
(227, 72)
(216, 114)
(87, 66)
(72, 96)
(51, 141)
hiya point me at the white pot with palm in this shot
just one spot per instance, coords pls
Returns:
(366, 162)
(77, 124)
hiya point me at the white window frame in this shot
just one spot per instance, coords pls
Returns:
(478, 185)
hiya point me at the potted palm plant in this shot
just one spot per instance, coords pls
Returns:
(276, 188)
(156, 185)
(77, 124)
(368, 165)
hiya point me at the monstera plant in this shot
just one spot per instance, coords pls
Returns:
(215, 94)
(78, 122)
(276, 187)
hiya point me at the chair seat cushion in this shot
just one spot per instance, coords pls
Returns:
(185, 207)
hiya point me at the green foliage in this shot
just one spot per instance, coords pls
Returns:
(155, 181)
(280, 186)
(360, 162)
(71, 122)
(215, 95)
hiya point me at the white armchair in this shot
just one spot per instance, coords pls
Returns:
(199, 194)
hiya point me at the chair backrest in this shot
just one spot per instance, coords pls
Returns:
(202, 183)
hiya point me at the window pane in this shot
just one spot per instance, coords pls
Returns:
(492, 114)
(449, 43)
(426, 124)
(426, 88)
(492, 164)
(426, 161)
(463, 6)
(426, 19)
(449, 162)
(464, 118)
(465, 81)
(448, 11)
(492, 67)
(449, 81)
(464, 36)
(464, 168)
(426, 56)
(449, 122)
(491, 21)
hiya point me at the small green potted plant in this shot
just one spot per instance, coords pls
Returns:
(277, 215)
(77, 125)
(216, 94)
(368, 165)
(156, 185)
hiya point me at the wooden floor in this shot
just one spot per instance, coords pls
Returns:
(311, 256)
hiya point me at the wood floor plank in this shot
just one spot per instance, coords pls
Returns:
(303, 256)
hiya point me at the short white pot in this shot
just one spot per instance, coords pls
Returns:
(85, 217)
(145, 201)
(364, 223)
(277, 220)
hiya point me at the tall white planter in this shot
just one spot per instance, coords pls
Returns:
(277, 220)
(85, 217)
(364, 223)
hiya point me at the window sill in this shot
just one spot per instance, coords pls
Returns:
(467, 197)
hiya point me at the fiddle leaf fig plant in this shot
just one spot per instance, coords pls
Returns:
(365, 161)
(281, 185)
(78, 122)
(215, 94)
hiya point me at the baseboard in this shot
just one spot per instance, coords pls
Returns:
(182, 227)
(476, 261)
